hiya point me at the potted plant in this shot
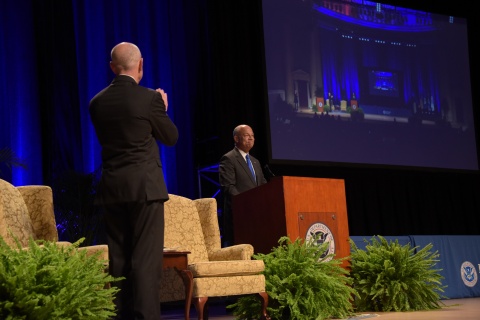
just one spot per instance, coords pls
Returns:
(327, 108)
(356, 114)
(391, 277)
(384, 277)
(301, 284)
(53, 281)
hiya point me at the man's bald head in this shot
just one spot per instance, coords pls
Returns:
(243, 137)
(127, 59)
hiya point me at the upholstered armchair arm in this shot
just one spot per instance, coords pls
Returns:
(39, 202)
(236, 252)
(92, 250)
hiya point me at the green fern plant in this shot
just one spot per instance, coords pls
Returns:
(300, 284)
(392, 277)
(51, 281)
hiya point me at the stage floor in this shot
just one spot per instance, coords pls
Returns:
(388, 117)
(464, 309)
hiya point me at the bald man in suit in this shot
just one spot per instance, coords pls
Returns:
(129, 120)
(236, 177)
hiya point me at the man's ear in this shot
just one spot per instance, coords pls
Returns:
(112, 66)
(140, 65)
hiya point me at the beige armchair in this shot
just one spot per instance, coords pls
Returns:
(27, 212)
(192, 225)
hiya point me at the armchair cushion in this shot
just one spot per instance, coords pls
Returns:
(226, 268)
(228, 286)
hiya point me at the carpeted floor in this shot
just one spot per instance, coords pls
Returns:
(465, 309)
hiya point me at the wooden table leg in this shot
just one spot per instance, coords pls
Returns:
(187, 278)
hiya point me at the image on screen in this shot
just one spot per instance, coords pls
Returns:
(366, 83)
(383, 83)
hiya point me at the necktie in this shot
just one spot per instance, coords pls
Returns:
(249, 163)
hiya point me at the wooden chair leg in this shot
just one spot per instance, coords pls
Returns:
(264, 297)
(199, 304)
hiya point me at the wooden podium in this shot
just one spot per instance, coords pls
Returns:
(354, 104)
(297, 207)
(320, 104)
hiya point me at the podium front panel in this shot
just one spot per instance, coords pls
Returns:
(324, 226)
(264, 214)
(354, 104)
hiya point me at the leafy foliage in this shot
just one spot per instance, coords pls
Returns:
(300, 284)
(391, 277)
(52, 281)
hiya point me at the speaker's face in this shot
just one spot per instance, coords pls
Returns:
(245, 139)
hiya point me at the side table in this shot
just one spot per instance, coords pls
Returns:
(179, 261)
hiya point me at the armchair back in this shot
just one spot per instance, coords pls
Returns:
(26, 212)
(183, 229)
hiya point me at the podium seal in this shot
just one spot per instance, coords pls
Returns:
(322, 234)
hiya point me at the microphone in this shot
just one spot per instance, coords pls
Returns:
(267, 168)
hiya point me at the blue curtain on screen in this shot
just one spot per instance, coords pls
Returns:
(345, 60)
(54, 58)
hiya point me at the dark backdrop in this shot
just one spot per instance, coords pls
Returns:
(208, 55)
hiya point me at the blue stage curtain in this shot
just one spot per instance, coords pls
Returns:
(20, 125)
(54, 58)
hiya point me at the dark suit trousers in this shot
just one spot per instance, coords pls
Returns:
(135, 232)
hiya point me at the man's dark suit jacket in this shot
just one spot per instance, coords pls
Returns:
(235, 177)
(128, 119)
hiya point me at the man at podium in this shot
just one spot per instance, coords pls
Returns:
(238, 172)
